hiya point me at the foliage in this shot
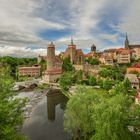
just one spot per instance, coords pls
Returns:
(93, 61)
(77, 77)
(42, 86)
(43, 65)
(106, 84)
(96, 115)
(78, 121)
(123, 87)
(10, 109)
(113, 72)
(66, 80)
(92, 81)
(24, 78)
(13, 63)
(110, 119)
(67, 66)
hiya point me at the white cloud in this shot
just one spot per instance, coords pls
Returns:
(21, 51)
(19, 25)
(85, 16)
(129, 21)
(110, 37)
(23, 20)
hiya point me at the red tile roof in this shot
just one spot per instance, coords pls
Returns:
(110, 50)
(123, 51)
(90, 54)
(136, 65)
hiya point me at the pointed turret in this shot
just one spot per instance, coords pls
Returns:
(126, 42)
(72, 41)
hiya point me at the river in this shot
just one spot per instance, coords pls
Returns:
(46, 120)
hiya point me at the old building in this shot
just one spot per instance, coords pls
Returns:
(76, 56)
(33, 71)
(106, 59)
(123, 56)
(111, 53)
(54, 65)
(93, 48)
(136, 53)
(136, 48)
(134, 68)
(133, 80)
(90, 55)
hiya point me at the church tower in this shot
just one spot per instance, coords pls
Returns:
(126, 43)
(72, 51)
(93, 48)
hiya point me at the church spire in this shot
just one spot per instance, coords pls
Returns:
(126, 42)
(72, 41)
(126, 37)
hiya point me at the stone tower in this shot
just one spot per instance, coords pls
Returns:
(126, 43)
(50, 56)
(93, 48)
(72, 49)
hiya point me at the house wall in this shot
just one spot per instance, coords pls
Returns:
(137, 50)
(123, 58)
(26, 71)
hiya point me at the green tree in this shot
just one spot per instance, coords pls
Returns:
(13, 63)
(66, 80)
(77, 118)
(113, 72)
(94, 61)
(105, 83)
(92, 81)
(78, 77)
(104, 73)
(43, 65)
(67, 66)
(111, 118)
(95, 115)
(10, 109)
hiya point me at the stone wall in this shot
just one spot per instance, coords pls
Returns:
(51, 78)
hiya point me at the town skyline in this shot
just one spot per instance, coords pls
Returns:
(27, 31)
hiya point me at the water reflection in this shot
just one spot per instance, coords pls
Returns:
(55, 97)
(46, 122)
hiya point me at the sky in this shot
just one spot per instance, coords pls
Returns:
(28, 26)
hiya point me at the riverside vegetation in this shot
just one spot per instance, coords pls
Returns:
(107, 113)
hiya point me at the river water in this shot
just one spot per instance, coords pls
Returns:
(46, 121)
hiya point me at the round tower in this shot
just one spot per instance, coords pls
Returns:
(50, 56)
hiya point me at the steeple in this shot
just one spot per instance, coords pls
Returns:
(126, 42)
(126, 37)
(72, 41)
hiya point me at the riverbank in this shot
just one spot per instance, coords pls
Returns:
(34, 97)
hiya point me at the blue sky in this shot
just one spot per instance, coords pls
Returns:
(27, 26)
